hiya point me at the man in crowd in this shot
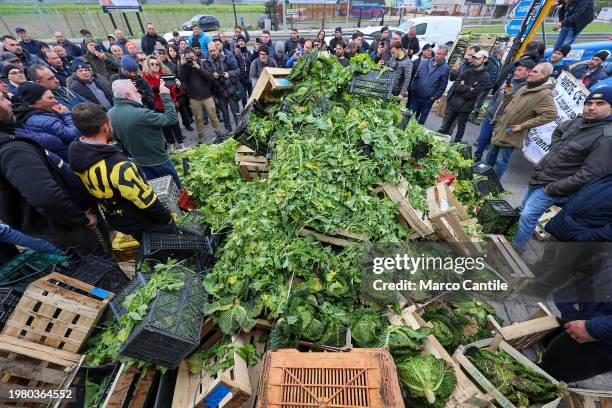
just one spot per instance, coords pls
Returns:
(120, 188)
(383, 36)
(150, 39)
(138, 130)
(40, 196)
(262, 61)
(402, 66)
(335, 40)
(574, 15)
(429, 84)
(71, 49)
(493, 65)
(411, 42)
(266, 39)
(176, 38)
(4, 89)
(243, 59)
(396, 37)
(556, 59)
(579, 153)
(463, 94)
(11, 45)
(87, 37)
(15, 77)
(94, 88)
(10, 58)
(46, 77)
(308, 47)
(532, 106)
(423, 57)
(116, 51)
(239, 31)
(280, 57)
(61, 52)
(38, 116)
(121, 40)
(101, 62)
(362, 44)
(198, 83)
(382, 55)
(224, 84)
(131, 49)
(592, 71)
(58, 67)
(129, 70)
(162, 56)
(466, 65)
(292, 43)
(496, 108)
(199, 38)
(340, 53)
(29, 45)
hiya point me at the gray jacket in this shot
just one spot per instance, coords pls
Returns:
(579, 153)
(257, 67)
(403, 74)
(496, 108)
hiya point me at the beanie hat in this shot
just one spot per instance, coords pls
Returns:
(264, 48)
(30, 92)
(604, 94)
(338, 30)
(279, 46)
(565, 49)
(128, 63)
(241, 37)
(602, 55)
(78, 63)
(7, 68)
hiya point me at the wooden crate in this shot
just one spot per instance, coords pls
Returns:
(507, 263)
(539, 232)
(358, 378)
(494, 344)
(407, 214)
(251, 166)
(29, 366)
(448, 217)
(466, 394)
(120, 386)
(270, 79)
(57, 311)
(526, 334)
(341, 238)
(580, 398)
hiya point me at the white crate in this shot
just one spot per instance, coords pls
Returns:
(167, 192)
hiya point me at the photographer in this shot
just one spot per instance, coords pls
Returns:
(382, 53)
(243, 58)
(101, 62)
(198, 82)
(225, 84)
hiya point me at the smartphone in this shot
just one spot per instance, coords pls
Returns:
(169, 80)
(509, 131)
(241, 20)
(257, 40)
(382, 43)
(509, 78)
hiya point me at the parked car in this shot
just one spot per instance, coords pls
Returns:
(434, 29)
(206, 23)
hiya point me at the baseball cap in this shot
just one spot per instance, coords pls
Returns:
(526, 62)
(19, 29)
(8, 56)
(482, 54)
(78, 63)
(603, 94)
(160, 48)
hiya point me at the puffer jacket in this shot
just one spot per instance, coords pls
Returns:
(462, 98)
(589, 79)
(403, 74)
(431, 79)
(579, 153)
(53, 131)
(530, 107)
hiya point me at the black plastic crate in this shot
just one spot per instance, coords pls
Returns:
(420, 150)
(406, 116)
(491, 185)
(99, 272)
(162, 247)
(375, 84)
(366, 149)
(116, 303)
(8, 300)
(497, 216)
(171, 329)
(185, 163)
(190, 224)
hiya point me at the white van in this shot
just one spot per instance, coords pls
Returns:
(434, 29)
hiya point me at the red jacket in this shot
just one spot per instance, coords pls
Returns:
(153, 81)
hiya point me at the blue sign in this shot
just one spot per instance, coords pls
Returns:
(522, 9)
(514, 26)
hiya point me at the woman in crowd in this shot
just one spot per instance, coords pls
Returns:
(321, 40)
(183, 45)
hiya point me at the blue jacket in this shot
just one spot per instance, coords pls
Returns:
(68, 98)
(598, 316)
(203, 39)
(558, 68)
(431, 80)
(580, 72)
(53, 131)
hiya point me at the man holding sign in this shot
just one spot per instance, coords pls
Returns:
(579, 153)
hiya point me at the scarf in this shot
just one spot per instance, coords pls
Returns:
(531, 85)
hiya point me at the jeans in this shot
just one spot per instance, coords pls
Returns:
(566, 36)
(498, 158)
(161, 170)
(197, 107)
(421, 108)
(11, 236)
(449, 119)
(535, 203)
(486, 131)
(247, 89)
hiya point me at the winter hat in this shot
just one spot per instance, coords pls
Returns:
(30, 92)
(604, 94)
(280, 46)
(78, 63)
(8, 56)
(7, 68)
(338, 30)
(602, 55)
(264, 48)
(128, 64)
(565, 49)
(241, 37)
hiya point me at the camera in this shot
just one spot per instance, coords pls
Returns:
(189, 60)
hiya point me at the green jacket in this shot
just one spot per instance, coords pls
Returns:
(138, 130)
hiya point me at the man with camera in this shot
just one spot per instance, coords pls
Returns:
(198, 83)
(225, 85)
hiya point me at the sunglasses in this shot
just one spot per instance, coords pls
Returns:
(141, 59)
(153, 64)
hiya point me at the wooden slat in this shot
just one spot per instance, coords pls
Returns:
(26, 369)
(142, 389)
(120, 387)
(38, 351)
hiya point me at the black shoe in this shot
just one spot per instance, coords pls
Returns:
(189, 128)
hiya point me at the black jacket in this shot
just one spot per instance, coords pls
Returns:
(62, 74)
(579, 153)
(463, 97)
(291, 46)
(39, 194)
(129, 204)
(147, 43)
(79, 87)
(244, 64)
(144, 89)
(197, 82)
(576, 14)
(222, 87)
(411, 44)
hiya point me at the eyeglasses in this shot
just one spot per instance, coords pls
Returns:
(141, 59)
(153, 64)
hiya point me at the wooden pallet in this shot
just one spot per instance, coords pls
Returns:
(57, 311)
(29, 366)
(341, 238)
(526, 334)
(120, 386)
(449, 217)
(466, 394)
(501, 255)
(250, 165)
(539, 232)
(270, 79)
(407, 214)
(580, 398)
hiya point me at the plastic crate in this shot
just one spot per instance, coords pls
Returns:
(8, 300)
(171, 329)
(28, 266)
(186, 202)
(167, 192)
(116, 303)
(491, 185)
(497, 216)
(189, 223)
(406, 116)
(243, 135)
(420, 150)
(375, 84)
(99, 272)
(185, 163)
(161, 247)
